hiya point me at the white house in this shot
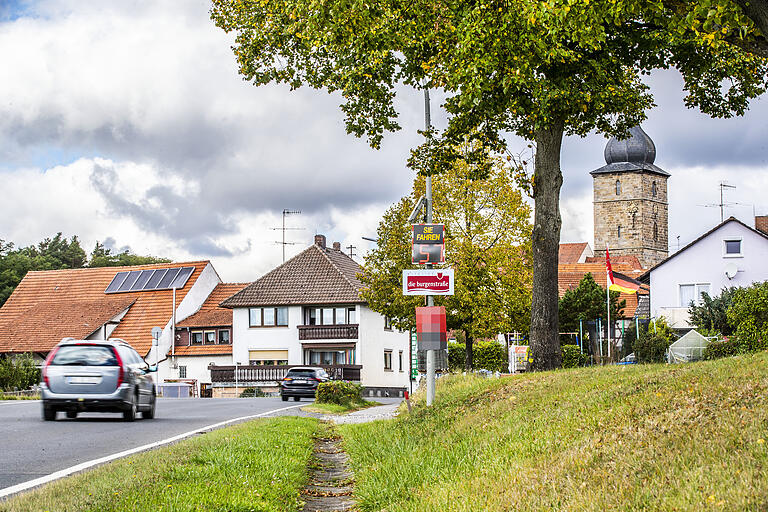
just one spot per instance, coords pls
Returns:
(308, 311)
(730, 254)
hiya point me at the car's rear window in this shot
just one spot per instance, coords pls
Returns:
(301, 373)
(84, 355)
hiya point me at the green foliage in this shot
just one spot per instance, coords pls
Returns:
(18, 372)
(490, 355)
(712, 313)
(650, 348)
(585, 303)
(749, 314)
(456, 355)
(103, 257)
(339, 392)
(252, 393)
(721, 348)
(572, 357)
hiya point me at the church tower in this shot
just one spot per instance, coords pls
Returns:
(630, 201)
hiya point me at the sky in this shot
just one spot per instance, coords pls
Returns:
(125, 122)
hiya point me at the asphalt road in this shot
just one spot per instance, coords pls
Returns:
(32, 448)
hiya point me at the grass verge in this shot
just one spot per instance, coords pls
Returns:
(641, 437)
(328, 408)
(18, 397)
(256, 466)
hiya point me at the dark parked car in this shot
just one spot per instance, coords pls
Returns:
(302, 381)
(96, 375)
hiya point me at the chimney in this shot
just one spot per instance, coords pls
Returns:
(320, 240)
(337, 246)
(761, 223)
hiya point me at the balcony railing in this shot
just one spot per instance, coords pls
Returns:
(274, 373)
(328, 332)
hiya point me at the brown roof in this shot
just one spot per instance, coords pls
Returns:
(210, 313)
(204, 350)
(63, 298)
(569, 276)
(570, 253)
(317, 275)
(627, 260)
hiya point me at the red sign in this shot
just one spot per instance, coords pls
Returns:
(430, 328)
(428, 282)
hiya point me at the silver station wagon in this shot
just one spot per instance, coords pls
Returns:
(97, 375)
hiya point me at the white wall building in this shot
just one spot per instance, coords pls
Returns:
(731, 254)
(308, 311)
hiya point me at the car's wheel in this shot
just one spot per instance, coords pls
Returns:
(130, 413)
(49, 414)
(296, 398)
(150, 412)
(285, 398)
(71, 414)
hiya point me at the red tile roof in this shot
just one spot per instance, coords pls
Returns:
(569, 276)
(317, 275)
(210, 313)
(570, 253)
(62, 299)
(627, 260)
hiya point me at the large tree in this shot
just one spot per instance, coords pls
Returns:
(538, 69)
(487, 244)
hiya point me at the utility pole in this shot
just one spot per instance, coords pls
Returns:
(351, 249)
(284, 229)
(430, 299)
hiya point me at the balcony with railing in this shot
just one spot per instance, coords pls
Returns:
(256, 374)
(328, 332)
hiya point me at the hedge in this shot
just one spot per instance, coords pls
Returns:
(339, 392)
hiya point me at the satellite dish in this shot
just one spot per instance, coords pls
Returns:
(156, 332)
(731, 270)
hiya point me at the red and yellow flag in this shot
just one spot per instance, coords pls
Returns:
(617, 281)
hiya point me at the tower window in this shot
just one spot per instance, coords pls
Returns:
(618, 231)
(653, 189)
(633, 220)
(655, 232)
(618, 188)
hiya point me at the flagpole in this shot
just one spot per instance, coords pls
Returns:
(608, 298)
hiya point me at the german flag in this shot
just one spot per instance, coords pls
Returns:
(617, 281)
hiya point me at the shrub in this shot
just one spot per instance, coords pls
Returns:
(339, 392)
(18, 372)
(650, 348)
(489, 355)
(721, 348)
(572, 356)
(456, 355)
(749, 314)
(252, 393)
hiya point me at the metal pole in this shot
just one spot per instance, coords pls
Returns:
(173, 328)
(581, 337)
(283, 236)
(237, 387)
(430, 299)
(608, 302)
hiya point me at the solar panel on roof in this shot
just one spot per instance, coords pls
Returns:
(182, 278)
(155, 279)
(141, 282)
(116, 282)
(132, 277)
(168, 278)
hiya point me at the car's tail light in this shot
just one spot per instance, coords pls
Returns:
(45, 365)
(120, 373)
(287, 379)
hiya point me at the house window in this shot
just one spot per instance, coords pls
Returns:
(224, 337)
(268, 317)
(210, 337)
(653, 189)
(197, 338)
(340, 315)
(387, 360)
(387, 323)
(328, 357)
(732, 247)
(692, 293)
(618, 188)
(400, 360)
(182, 372)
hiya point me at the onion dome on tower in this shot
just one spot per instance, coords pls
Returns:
(636, 153)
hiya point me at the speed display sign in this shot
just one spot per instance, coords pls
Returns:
(428, 245)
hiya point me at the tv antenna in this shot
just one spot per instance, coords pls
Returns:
(284, 229)
(722, 204)
(351, 249)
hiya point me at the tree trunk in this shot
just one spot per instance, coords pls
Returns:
(468, 360)
(545, 343)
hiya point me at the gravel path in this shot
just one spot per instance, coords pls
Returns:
(380, 412)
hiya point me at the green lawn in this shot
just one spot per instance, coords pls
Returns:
(641, 437)
(327, 408)
(260, 465)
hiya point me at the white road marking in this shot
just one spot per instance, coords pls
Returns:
(4, 493)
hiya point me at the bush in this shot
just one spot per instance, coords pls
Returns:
(651, 348)
(572, 356)
(721, 348)
(490, 355)
(339, 392)
(17, 373)
(457, 354)
(749, 314)
(252, 393)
